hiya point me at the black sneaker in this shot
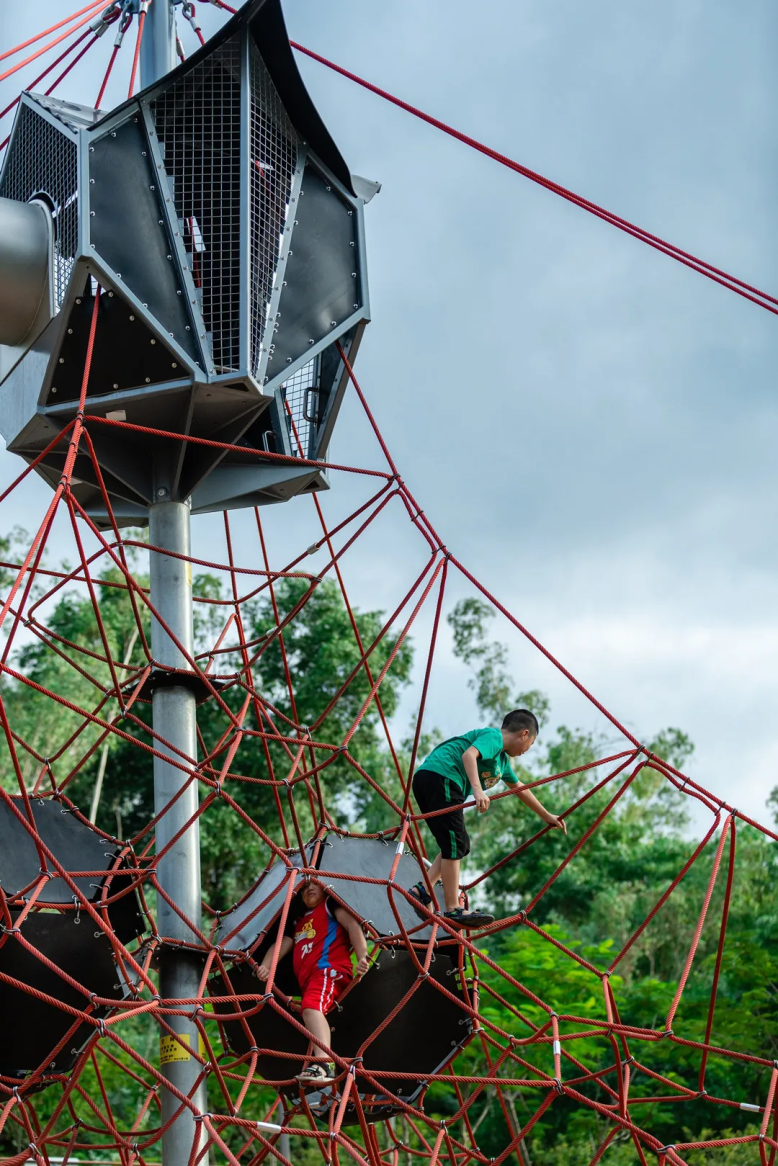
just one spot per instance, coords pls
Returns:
(317, 1073)
(459, 917)
(420, 892)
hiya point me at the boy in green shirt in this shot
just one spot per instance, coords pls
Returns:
(454, 769)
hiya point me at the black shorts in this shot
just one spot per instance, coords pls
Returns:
(435, 792)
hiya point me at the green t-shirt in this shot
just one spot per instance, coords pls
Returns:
(493, 762)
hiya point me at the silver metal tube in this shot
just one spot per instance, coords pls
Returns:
(25, 250)
(178, 871)
(158, 47)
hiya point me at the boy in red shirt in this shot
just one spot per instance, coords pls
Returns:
(322, 939)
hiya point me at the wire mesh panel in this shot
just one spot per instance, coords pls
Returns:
(273, 157)
(44, 162)
(301, 394)
(198, 126)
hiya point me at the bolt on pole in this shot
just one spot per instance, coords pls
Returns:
(176, 799)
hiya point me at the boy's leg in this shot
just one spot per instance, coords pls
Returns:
(317, 1023)
(449, 869)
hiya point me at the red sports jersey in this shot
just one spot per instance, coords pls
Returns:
(320, 942)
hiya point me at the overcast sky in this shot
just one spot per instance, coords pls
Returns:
(591, 426)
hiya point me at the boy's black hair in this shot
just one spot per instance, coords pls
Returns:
(519, 719)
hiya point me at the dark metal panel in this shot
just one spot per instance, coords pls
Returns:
(75, 846)
(398, 1048)
(371, 857)
(231, 486)
(128, 230)
(127, 353)
(269, 1028)
(220, 413)
(321, 275)
(444, 1023)
(251, 918)
(33, 1028)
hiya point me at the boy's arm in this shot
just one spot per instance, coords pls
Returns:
(470, 762)
(530, 800)
(356, 936)
(263, 971)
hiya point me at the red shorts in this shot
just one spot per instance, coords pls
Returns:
(323, 988)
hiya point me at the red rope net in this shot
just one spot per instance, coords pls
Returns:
(256, 750)
(71, 703)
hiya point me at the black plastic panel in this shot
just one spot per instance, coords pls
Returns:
(251, 923)
(127, 354)
(428, 1011)
(322, 285)
(77, 848)
(373, 859)
(125, 214)
(32, 1028)
(443, 1022)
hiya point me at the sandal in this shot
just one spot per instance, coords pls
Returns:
(317, 1073)
(459, 917)
(420, 892)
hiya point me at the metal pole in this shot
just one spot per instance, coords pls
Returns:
(158, 47)
(178, 871)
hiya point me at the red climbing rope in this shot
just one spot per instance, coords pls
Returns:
(763, 299)
(517, 1041)
(273, 759)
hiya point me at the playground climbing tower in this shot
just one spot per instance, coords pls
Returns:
(200, 250)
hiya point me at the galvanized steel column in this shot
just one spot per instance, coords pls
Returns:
(158, 47)
(178, 871)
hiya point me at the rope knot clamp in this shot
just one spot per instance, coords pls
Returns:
(521, 917)
(558, 1087)
(101, 1028)
(607, 972)
(667, 1032)
(627, 1061)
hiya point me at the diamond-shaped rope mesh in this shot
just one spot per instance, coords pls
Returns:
(198, 127)
(43, 161)
(273, 144)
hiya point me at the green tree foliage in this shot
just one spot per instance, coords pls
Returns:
(592, 908)
(599, 901)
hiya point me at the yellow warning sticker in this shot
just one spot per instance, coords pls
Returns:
(172, 1048)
